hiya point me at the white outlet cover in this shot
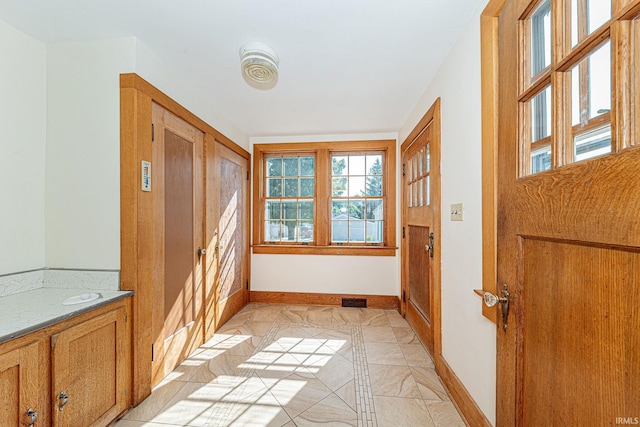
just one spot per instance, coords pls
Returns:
(456, 212)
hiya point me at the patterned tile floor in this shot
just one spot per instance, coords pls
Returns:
(279, 365)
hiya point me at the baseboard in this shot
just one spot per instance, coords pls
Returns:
(373, 301)
(467, 407)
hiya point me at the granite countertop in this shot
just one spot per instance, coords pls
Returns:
(29, 311)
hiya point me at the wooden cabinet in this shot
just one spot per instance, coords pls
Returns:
(20, 384)
(87, 358)
(88, 377)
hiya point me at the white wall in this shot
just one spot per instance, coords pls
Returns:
(468, 339)
(22, 151)
(325, 273)
(159, 74)
(82, 207)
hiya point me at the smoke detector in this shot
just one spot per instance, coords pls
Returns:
(259, 62)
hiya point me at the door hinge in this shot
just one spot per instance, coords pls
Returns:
(153, 132)
(247, 285)
(126, 317)
(403, 232)
(247, 175)
(403, 171)
(431, 245)
(152, 358)
(404, 296)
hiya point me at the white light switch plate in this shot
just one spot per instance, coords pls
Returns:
(456, 212)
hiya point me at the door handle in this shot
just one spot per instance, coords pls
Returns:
(63, 398)
(201, 252)
(430, 246)
(490, 300)
(32, 416)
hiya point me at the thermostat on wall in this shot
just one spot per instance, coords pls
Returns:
(146, 176)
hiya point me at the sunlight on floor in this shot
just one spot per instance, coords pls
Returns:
(298, 366)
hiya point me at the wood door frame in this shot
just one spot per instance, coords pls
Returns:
(136, 211)
(431, 117)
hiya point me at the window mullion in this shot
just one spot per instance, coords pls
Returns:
(323, 197)
(625, 128)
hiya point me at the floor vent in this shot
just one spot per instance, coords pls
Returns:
(354, 302)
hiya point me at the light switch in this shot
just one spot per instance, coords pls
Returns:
(456, 212)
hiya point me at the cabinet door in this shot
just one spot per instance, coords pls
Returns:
(88, 371)
(20, 383)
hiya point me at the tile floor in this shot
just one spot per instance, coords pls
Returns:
(278, 365)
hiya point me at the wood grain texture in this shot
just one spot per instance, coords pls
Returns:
(177, 223)
(578, 344)
(134, 81)
(422, 327)
(568, 240)
(467, 407)
(373, 301)
(34, 356)
(489, 79)
(507, 170)
(426, 133)
(135, 213)
(88, 363)
(567, 207)
(139, 241)
(21, 383)
(231, 220)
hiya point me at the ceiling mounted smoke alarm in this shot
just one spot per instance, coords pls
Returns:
(259, 62)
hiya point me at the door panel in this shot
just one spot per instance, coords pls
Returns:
(178, 202)
(88, 363)
(421, 218)
(230, 226)
(569, 250)
(576, 299)
(177, 192)
(419, 274)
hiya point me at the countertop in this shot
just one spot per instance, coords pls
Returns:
(29, 311)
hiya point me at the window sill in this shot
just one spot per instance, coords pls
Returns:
(325, 250)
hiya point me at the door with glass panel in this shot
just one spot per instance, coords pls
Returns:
(568, 223)
(420, 230)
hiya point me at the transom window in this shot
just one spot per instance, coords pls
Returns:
(566, 87)
(325, 198)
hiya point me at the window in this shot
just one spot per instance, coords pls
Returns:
(289, 198)
(325, 198)
(565, 85)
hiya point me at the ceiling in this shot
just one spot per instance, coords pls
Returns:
(346, 66)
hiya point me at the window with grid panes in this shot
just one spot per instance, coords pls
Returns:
(325, 198)
(566, 86)
(289, 198)
(357, 214)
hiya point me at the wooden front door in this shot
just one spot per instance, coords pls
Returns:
(227, 267)
(420, 229)
(568, 222)
(177, 188)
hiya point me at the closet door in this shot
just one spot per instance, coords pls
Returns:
(227, 234)
(178, 241)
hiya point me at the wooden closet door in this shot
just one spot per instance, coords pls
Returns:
(177, 191)
(227, 234)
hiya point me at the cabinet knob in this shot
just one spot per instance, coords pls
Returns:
(63, 398)
(32, 416)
